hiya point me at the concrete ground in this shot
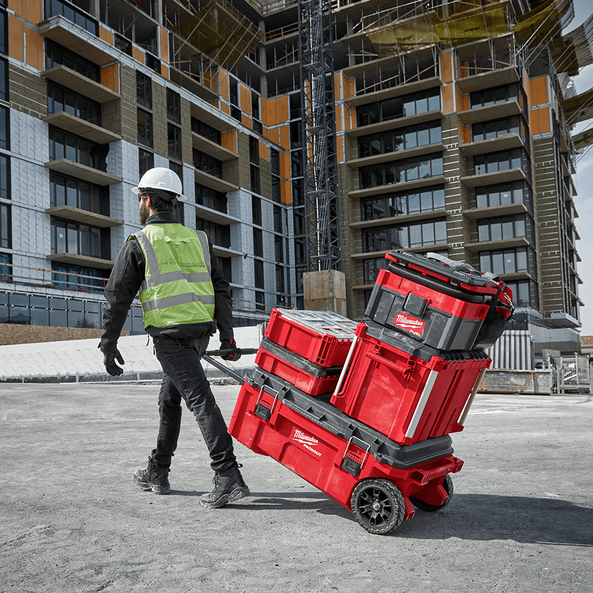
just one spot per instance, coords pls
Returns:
(72, 520)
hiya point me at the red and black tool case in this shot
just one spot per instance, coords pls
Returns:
(302, 373)
(444, 304)
(406, 392)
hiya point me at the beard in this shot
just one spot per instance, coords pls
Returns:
(144, 213)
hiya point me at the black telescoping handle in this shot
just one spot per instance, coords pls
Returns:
(221, 367)
(241, 351)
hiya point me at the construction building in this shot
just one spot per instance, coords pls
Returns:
(308, 136)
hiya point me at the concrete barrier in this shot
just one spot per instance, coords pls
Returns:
(81, 360)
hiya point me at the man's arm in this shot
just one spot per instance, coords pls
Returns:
(123, 285)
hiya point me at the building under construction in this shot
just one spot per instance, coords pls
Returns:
(310, 137)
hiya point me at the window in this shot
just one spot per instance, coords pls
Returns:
(254, 160)
(75, 148)
(123, 44)
(68, 191)
(508, 261)
(179, 208)
(72, 237)
(205, 130)
(279, 248)
(4, 80)
(280, 282)
(415, 234)
(371, 267)
(3, 32)
(219, 234)
(210, 198)
(389, 109)
(525, 293)
(260, 301)
(256, 211)
(56, 55)
(258, 242)
(255, 179)
(234, 96)
(278, 227)
(299, 221)
(145, 160)
(153, 63)
(497, 127)
(495, 95)
(73, 14)
(300, 251)
(143, 90)
(206, 163)
(70, 313)
(174, 139)
(258, 266)
(504, 228)
(144, 128)
(60, 98)
(4, 177)
(4, 128)
(503, 160)
(173, 106)
(275, 166)
(5, 227)
(412, 202)
(5, 271)
(504, 194)
(401, 139)
(410, 169)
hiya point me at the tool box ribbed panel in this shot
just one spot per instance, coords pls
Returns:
(407, 398)
(322, 337)
(264, 423)
(302, 373)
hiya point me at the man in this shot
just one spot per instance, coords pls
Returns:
(185, 298)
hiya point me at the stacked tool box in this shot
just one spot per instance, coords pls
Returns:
(364, 411)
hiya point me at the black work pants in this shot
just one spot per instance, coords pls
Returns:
(185, 379)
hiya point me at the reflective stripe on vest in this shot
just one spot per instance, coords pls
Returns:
(175, 296)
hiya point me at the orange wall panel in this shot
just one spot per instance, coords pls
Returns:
(246, 121)
(340, 149)
(245, 101)
(285, 165)
(164, 45)
(137, 54)
(110, 77)
(465, 133)
(106, 35)
(448, 98)
(285, 138)
(285, 193)
(15, 38)
(264, 151)
(227, 140)
(539, 91)
(30, 10)
(34, 49)
(446, 66)
(543, 120)
(462, 100)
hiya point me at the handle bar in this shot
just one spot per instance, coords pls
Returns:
(241, 351)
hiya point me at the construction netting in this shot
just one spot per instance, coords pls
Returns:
(220, 31)
(574, 51)
(463, 21)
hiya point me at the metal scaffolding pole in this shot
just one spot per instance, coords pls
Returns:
(319, 135)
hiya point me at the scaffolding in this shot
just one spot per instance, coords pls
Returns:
(319, 135)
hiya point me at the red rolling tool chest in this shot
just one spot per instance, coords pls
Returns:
(407, 394)
(351, 463)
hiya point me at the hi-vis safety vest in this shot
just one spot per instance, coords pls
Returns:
(178, 286)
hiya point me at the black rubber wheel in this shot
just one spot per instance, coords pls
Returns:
(431, 508)
(378, 506)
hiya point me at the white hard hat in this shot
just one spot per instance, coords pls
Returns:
(163, 179)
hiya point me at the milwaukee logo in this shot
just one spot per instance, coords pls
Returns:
(409, 324)
(306, 440)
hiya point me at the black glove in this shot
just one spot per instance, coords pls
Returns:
(111, 367)
(234, 353)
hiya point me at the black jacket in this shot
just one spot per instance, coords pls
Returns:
(124, 283)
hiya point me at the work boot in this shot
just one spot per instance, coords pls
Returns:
(229, 486)
(154, 478)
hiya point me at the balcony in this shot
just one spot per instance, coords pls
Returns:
(214, 118)
(213, 182)
(488, 79)
(80, 127)
(492, 178)
(80, 83)
(396, 187)
(395, 91)
(397, 155)
(403, 219)
(215, 215)
(68, 167)
(75, 38)
(491, 212)
(81, 260)
(192, 84)
(225, 252)
(489, 112)
(212, 149)
(494, 245)
(394, 124)
(502, 142)
(84, 216)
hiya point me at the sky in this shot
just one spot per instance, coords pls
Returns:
(584, 186)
